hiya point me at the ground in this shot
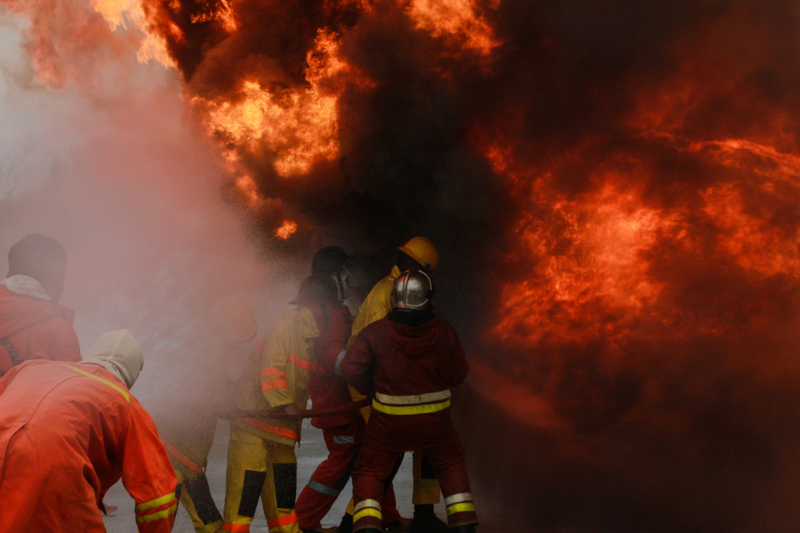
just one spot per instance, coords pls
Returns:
(310, 453)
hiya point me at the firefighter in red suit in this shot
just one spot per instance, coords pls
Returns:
(343, 433)
(32, 325)
(68, 432)
(409, 359)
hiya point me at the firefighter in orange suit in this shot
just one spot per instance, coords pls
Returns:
(188, 422)
(409, 359)
(417, 254)
(261, 457)
(344, 432)
(68, 432)
(32, 325)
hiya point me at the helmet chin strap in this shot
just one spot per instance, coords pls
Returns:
(343, 292)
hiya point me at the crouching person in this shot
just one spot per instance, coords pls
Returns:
(69, 431)
(409, 359)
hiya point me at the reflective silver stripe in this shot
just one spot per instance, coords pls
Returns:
(411, 400)
(341, 439)
(363, 504)
(337, 368)
(458, 498)
(322, 489)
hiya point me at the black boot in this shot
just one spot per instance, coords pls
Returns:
(426, 521)
(346, 525)
(463, 529)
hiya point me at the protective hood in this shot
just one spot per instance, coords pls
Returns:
(415, 342)
(118, 352)
(26, 286)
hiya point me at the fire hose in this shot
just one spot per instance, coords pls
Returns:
(305, 413)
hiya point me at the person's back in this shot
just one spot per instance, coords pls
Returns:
(409, 360)
(32, 324)
(68, 432)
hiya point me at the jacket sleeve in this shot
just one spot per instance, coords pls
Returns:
(458, 361)
(275, 348)
(358, 364)
(332, 341)
(147, 473)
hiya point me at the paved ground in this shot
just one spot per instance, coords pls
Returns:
(311, 452)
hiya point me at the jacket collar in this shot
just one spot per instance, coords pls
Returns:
(310, 329)
(26, 286)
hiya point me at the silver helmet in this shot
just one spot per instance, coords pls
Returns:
(412, 290)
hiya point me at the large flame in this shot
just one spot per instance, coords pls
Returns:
(298, 125)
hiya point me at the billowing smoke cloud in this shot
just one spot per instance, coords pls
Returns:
(614, 188)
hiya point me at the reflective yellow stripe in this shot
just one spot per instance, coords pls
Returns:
(156, 516)
(367, 503)
(388, 399)
(369, 511)
(410, 409)
(458, 498)
(158, 502)
(122, 391)
(460, 508)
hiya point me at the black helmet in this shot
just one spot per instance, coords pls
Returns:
(330, 260)
(315, 287)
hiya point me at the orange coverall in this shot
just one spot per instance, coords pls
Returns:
(68, 432)
(31, 328)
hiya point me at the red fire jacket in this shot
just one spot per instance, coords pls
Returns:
(31, 328)
(410, 370)
(326, 388)
(68, 432)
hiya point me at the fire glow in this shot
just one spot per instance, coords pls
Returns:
(622, 178)
(298, 126)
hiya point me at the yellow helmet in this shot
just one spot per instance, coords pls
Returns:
(422, 251)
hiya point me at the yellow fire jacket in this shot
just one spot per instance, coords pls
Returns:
(375, 306)
(277, 374)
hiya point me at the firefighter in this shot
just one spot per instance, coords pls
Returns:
(418, 253)
(344, 432)
(187, 428)
(69, 431)
(261, 456)
(32, 325)
(409, 359)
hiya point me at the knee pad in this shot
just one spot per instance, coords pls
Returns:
(426, 471)
(200, 494)
(251, 492)
(285, 476)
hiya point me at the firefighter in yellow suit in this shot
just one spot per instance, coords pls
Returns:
(417, 254)
(261, 458)
(187, 426)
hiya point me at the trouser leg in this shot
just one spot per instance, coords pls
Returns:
(426, 487)
(280, 489)
(388, 505)
(372, 476)
(195, 496)
(248, 458)
(331, 475)
(447, 459)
